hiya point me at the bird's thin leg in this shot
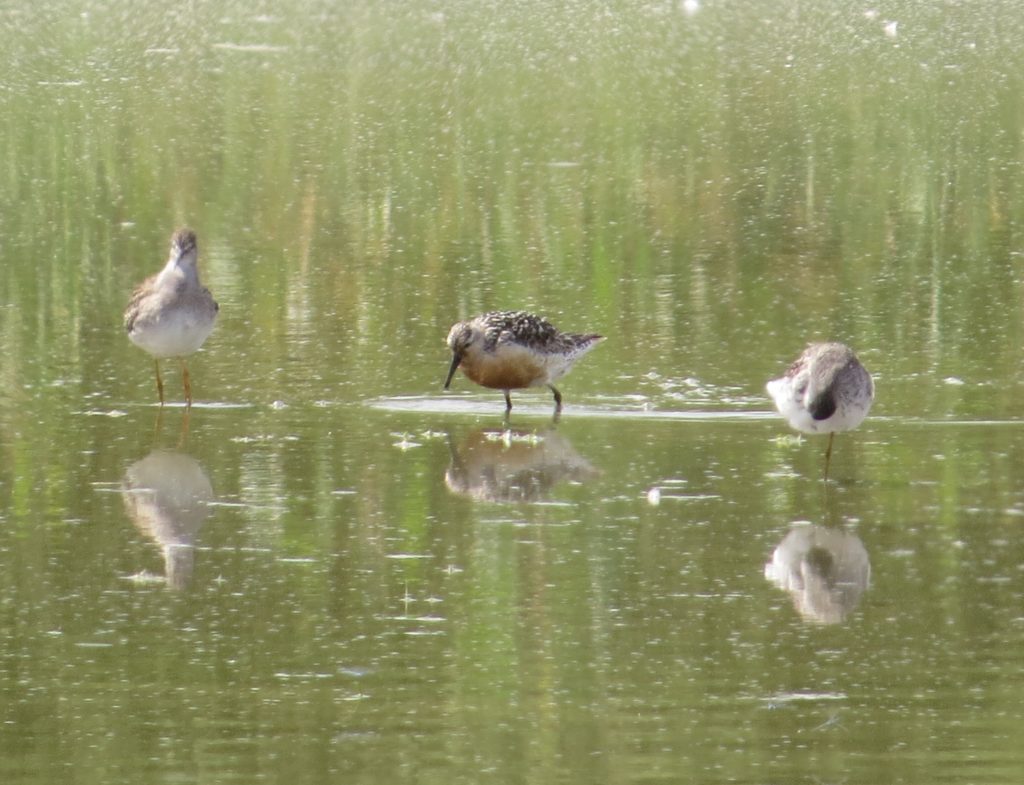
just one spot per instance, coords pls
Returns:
(828, 452)
(187, 382)
(558, 398)
(508, 402)
(158, 424)
(183, 436)
(159, 382)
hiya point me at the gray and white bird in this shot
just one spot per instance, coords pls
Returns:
(826, 390)
(171, 313)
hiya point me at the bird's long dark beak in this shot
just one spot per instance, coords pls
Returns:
(456, 359)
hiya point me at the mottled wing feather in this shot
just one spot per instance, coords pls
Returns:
(131, 313)
(797, 366)
(532, 332)
(146, 299)
(517, 327)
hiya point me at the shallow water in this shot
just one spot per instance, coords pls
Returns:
(330, 569)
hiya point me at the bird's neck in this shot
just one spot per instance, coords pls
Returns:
(178, 270)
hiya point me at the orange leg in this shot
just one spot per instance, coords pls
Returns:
(183, 436)
(186, 379)
(159, 423)
(159, 383)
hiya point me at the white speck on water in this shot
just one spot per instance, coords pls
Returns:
(262, 48)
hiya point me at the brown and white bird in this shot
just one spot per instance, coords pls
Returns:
(513, 350)
(826, 390)
(171, 313)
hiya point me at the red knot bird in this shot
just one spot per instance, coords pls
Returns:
(513, 350)
(172, 313)
(824, 391)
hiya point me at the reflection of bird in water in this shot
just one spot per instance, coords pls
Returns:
(825, 570)
(513, 350)
(824, 391)
(171, 313)
(166, 494)
(511, 466)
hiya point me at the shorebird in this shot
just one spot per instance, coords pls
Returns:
(824, 391)
(513, 350)
(171, 313)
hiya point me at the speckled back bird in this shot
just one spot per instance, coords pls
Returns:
(514, 350)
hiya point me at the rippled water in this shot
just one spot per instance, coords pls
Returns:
(331, 570)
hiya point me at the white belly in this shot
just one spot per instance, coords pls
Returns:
(791, 405)
(175, 334)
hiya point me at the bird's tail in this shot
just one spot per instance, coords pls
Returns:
(581, 344)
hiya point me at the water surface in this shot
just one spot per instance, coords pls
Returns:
(330, 570)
